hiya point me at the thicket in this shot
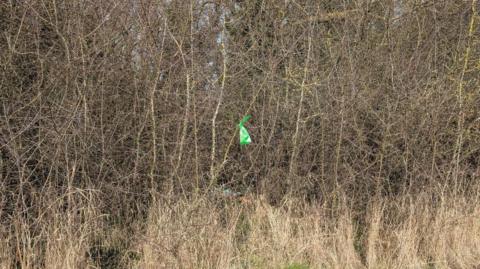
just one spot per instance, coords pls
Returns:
(122, 101)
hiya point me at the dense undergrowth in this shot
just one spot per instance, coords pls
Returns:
(118, 134)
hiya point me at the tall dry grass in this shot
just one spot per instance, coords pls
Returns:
(422, 231)
(411, 232)
(57, 237)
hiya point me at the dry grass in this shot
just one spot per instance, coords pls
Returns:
(200, 235)
(407, 232)
(56, 238)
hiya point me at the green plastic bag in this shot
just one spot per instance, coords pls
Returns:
(244, 136)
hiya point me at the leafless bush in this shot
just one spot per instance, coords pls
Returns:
(136, 99)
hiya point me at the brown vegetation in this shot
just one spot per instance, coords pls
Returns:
(118, 136)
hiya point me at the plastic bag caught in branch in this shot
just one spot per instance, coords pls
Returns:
(244, 136)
